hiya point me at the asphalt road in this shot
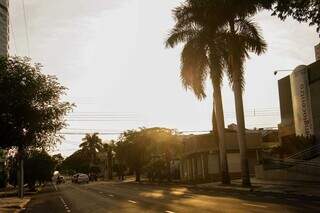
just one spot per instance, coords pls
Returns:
(132, 197)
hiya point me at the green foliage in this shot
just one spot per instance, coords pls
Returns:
(157, 169)
(38, 167)
(136, 148)
(58, 161)
(92, 144)
(31, 112)
(77, 162)
(301, 10)
(3, 179)
(13, 169)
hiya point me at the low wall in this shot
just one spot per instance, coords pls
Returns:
(283, 175)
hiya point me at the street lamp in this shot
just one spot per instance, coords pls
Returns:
(276, 71)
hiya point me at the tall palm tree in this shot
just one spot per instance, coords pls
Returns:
(92, 144)
(202, 55)
(242, 36)
(239, 36)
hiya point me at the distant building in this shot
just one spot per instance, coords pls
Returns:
(4, 27)
(300, 102)
(200, 156)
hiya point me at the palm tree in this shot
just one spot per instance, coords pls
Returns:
(91, 143)
(242, 36)
(202, 55)
(239, 36)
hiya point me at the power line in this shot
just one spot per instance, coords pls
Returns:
(26, 27)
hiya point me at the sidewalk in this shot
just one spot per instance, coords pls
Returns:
(13, 204)
(306, 189)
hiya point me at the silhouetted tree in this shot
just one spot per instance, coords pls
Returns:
(79, 161)
(300, 10)
(239, 35)
(39, 167)
(31, 112)
(92, 144)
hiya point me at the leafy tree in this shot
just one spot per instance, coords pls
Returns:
(91, 143)
(301, 10)
(58, 160)
(79, 161)
(31, 112)
(136, 148)
(39, 167)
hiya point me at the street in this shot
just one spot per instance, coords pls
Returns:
(132, 197)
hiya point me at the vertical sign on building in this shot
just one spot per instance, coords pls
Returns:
(301, 101)
(4, 27)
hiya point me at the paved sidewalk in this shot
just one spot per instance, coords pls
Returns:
(307, 189)
(13, 204)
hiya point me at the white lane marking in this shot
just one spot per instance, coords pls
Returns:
(101, 192)
(62, 200)
(132, 201)
(169, 211)
(64, 204)
(294, 199)
(269, 197)
(111, 195)
(254, 205)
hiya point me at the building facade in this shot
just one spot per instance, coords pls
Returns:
(200, 159)
(300, 102)
(4, 27)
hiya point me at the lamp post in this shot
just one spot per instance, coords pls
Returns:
(277, 71)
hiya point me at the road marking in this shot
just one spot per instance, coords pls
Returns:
(169, 211)
(254, 205)
(132, 201)
(101, 192)
(269, 197)
(294, 199)
(111, 195)
(64, 204)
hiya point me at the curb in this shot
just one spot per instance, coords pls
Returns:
(23, 205)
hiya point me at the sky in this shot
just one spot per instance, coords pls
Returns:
(110, 54)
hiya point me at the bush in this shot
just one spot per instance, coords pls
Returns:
(3, 179)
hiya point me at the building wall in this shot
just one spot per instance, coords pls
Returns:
(4, 27)
(301, 101)
(286, 127)
(314, 81)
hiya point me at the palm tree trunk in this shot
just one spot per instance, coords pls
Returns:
(237, 90)
(241, 133)
(214, 119)
(225, 179)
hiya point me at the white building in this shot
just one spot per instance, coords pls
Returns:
(4, 27)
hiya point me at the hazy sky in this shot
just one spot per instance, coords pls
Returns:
(111, 56)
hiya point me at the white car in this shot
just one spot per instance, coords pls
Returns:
(80, 178)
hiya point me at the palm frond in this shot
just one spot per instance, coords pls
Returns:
(194, 67)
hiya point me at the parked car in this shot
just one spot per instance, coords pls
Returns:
(80, 178)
